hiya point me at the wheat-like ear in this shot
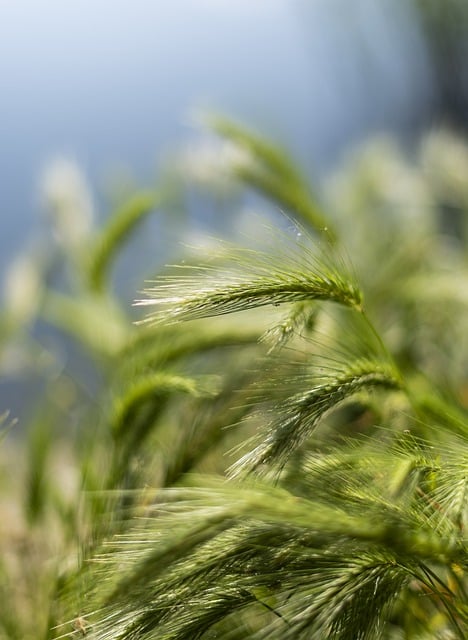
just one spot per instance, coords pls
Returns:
(205, 553)
(296, 417)
(290, 271)
(300, 317)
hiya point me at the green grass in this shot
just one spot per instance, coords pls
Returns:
(275, 441)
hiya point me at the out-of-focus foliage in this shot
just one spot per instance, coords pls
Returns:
(279, 449)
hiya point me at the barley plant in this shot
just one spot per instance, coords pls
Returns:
(273, 441)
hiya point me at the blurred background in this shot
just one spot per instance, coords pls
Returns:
(113, 86)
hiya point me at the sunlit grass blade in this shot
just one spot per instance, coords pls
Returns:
(301, 317)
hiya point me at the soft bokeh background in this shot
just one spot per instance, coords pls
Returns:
(112, 83)
(113, 86)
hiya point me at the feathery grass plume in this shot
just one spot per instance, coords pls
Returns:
(301, 317)
(203, 554)
(115, 233)
(444, 492)
(296, 417)
(394, 470)
(290, 271)
(269, 170)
